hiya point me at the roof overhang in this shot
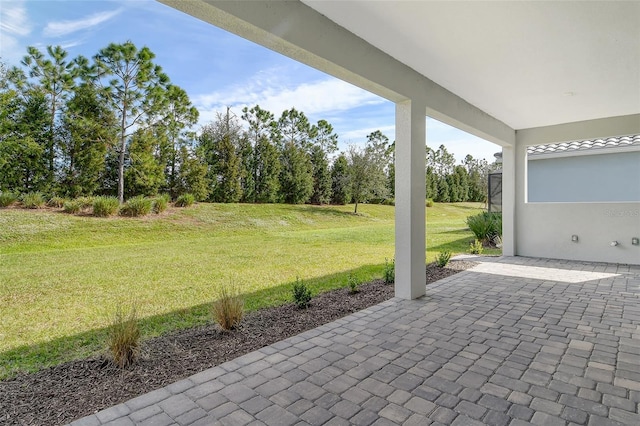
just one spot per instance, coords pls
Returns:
(488, 68)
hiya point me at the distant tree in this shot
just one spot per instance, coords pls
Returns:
(296, 181)
(89, 129)
(367, 178)
(135, 88)
(144, 174)
(266, 166)
(260, 157)
(192, 177)
(294, 128)
(380, 154)
(20, 165)
(323, 142)
(55, 79)
(340, 181)
(178, 115)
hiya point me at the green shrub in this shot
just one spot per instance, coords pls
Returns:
(136, 206)
(228, 310)
(105, 206)
(185, 200)
(124, 337)
(160, 204)
(56, 202)
(72, 206)
(33, 200)
(85, 202)
(389, 273)
(430, 202)
(476, 247)
(353, 283)
(7, 198)
(442, 259)
(301, 294)
(485, 226)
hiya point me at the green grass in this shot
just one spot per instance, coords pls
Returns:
(63, 276)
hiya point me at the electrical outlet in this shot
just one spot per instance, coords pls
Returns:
(635, 241)
(574, 238)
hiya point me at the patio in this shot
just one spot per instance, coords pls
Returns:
(512, 341)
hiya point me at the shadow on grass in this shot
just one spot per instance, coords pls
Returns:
(30, 358)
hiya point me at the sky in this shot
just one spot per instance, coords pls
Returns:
(216, 68)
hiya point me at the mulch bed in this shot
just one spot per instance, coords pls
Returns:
(61, 394)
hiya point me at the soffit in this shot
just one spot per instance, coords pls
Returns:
(528, 64)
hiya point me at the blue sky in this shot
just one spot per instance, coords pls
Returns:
(216, 68)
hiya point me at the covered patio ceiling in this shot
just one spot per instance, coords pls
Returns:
(489, 68)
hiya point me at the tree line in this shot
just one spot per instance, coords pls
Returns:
(116, 125)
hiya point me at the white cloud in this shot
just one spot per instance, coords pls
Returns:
(14, 23)
(60, 28)
(361, 134)
(267, 90)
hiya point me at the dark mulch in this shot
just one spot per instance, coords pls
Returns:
(75, 389)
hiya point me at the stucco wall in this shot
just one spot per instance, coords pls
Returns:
(545, 229)
(585, 178)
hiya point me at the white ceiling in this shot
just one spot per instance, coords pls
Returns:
(528, 64)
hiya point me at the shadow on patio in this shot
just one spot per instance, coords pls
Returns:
(512, 341)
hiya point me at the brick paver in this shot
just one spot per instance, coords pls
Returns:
(513, 341)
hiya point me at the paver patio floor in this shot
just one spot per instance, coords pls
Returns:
(513, 341)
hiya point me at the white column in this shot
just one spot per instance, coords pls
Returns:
(410, 277)
(509, 165)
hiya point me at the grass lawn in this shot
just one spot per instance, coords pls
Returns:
(62, 276)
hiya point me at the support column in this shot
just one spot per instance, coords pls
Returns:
(509, 165)
(410, 197)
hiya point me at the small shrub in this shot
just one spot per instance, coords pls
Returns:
(33, 200)
(136, 206)
(185, 200)
(353, 283)
(430, 202)
(7, 198)
(389, 273)
(56, 202)
(160, 204)
(476, 247)
(442, 259)
(228, 310)
(72, 207)
(485, 226)
(301, 294)
(124, 337)
(85, 202)
(105, 206)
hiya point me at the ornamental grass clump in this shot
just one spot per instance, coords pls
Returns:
(71, 207)
(33, 200)
(56, 202)
(389, 273)
(442, 259)
(123, 339)
(486, 226)
(160, 203)
(301, 294)
(476, 247)
(228, 309)
(7, 198)
(185, 200)
(353, 283)
(105, 206)
(136, 206)
(85, 202)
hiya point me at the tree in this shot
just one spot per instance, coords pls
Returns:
(340, 181)
(56, 80)
(192, 177)
(219, 144)
(20, 165)
(135, 88)
(380, 154)
(296, 181)
(367, 179)
(144, 174)
(90, 129)
(260, 157)
(178, 115)
(294, 128)
(323, 142)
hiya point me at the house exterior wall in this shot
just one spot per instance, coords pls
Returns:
(544, 229)
(609, 177)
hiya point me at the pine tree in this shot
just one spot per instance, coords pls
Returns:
(321, 176)
(296, 181)
(340, 181)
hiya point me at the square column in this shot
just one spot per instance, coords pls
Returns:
(509, 166)
(410, 276)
